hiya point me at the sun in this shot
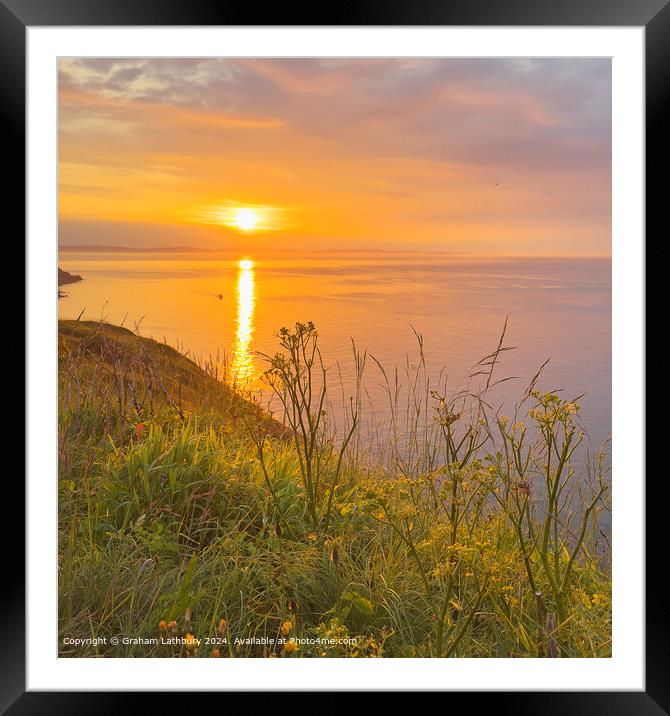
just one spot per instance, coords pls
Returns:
(245, 219)
(242, 217)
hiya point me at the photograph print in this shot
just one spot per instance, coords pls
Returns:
(334, 358)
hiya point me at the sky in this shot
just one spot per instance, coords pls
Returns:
(484, 156)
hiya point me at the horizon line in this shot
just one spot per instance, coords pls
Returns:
(102, 248)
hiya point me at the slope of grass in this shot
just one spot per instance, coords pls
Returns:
(191, 525)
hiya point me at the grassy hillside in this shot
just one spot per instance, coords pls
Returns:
(193, 524)
(130, 378)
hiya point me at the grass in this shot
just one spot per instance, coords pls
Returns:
(194, 523)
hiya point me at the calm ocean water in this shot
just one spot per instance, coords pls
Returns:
(558, 308)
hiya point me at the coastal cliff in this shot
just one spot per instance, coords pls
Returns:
(65, 277)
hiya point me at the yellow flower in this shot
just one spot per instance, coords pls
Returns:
(190, 644)
(290, 646)
(584, 599)
(597, 600)
(286, 628)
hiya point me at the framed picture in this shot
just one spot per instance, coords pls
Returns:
(341, 383)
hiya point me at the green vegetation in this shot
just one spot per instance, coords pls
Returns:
(189, 514)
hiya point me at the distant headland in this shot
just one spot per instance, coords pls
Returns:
(65, 277)
(105, 248)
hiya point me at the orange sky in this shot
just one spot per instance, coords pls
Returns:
(487, 156)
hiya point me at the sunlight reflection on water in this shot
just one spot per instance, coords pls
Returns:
(243, 357)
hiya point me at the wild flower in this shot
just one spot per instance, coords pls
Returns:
(523, 487)
(290, 646)
(190, 644)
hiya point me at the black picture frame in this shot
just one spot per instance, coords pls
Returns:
(17, 15)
